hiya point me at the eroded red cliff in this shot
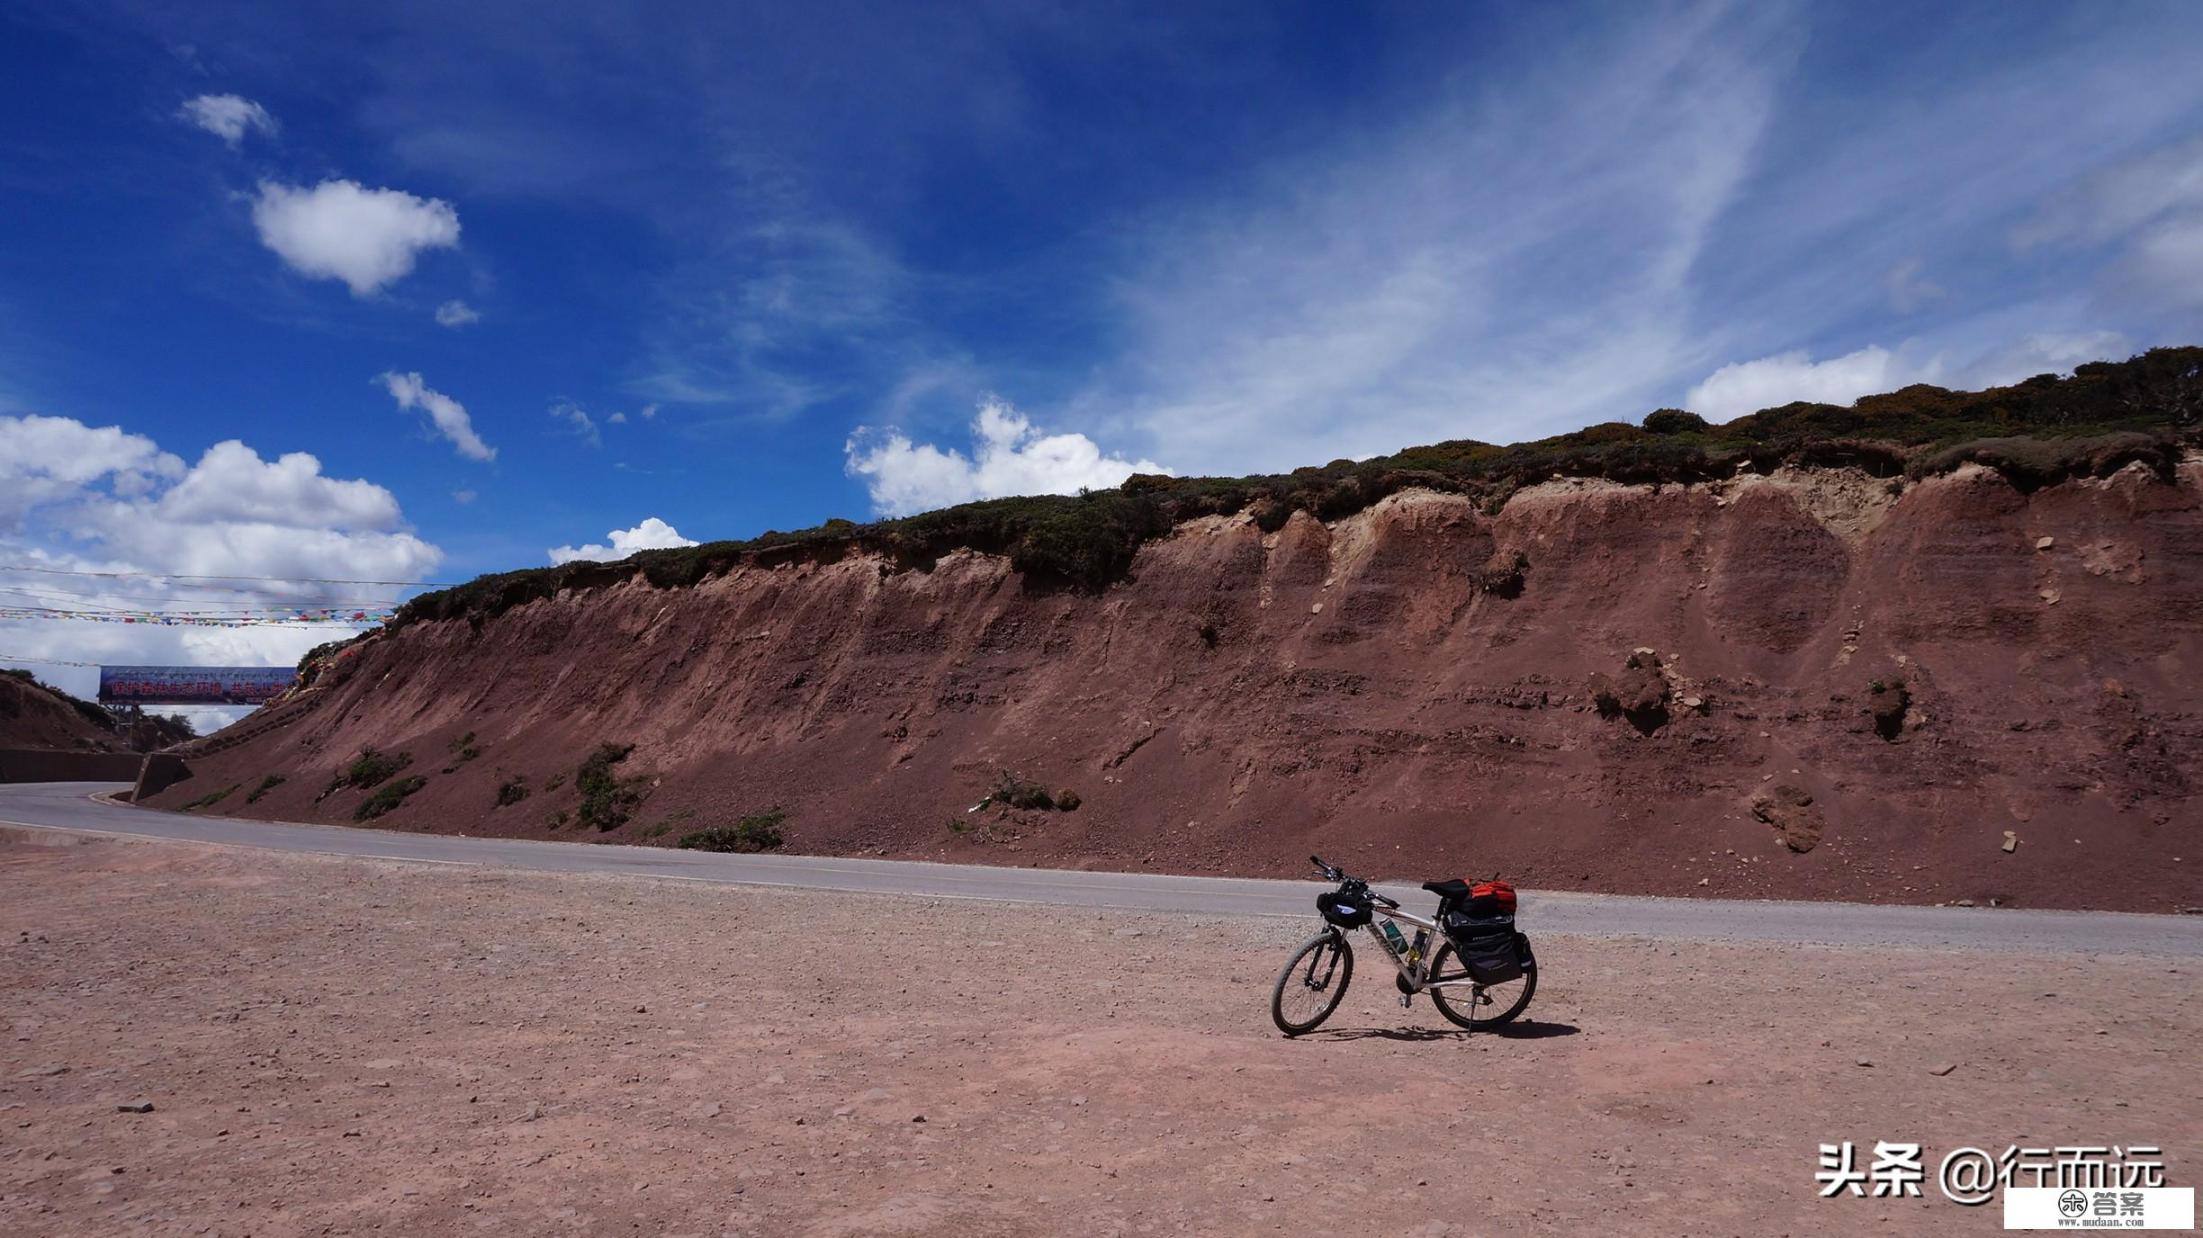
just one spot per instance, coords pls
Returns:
(1844, 687)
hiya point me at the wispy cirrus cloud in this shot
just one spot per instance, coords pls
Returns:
(782, 316)
(1498, 264)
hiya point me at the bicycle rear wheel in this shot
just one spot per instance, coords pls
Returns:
(1313, 983)
(1481, 1006)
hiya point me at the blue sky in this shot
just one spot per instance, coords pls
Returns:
(719, 268)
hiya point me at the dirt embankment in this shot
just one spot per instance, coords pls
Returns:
(1813, 684)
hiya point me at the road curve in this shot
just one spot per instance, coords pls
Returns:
(69, 806)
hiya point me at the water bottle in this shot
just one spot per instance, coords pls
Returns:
(1422, 939)
(1392, 935)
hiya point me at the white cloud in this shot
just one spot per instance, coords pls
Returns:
(1009, 457)
(463, 497)
(2112, 202)
(1748, 386)
(651, 534)
(616, 419)
(369, 238)
(228, 117)
(2165, 264)
(2042, 352)
(231, 483)
(578, 419)
(449, 416)
(88, 499)
(814, 308)
(1770, 382)
(1908, 291)
(51, 459)
(2150, 207)
(1515, 257)
(456, 314)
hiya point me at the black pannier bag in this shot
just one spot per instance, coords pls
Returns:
(1493, 957)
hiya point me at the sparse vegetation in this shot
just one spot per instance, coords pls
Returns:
(464, 749)
(388, 798)
(210, 800)
(1017, 791)
(1068, 800)
(370, 769)
(267, 784)
(607, 800)
(317, 659)
(760, 832)
(557, 820)
(1503, 573)
(512, 791)
(2037, 432)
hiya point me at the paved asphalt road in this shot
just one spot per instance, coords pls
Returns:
(70, 806)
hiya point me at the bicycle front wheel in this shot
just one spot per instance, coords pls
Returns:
(1313, 983)
(1480, 1006)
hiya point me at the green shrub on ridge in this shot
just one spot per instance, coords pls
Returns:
(2144, 410)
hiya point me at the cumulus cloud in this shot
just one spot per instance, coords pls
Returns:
(1009, 456)
(232, 484)
(369, 238)
(651, 534)
(1748, 386)
(228, 117)
(1769, 382)
(578, 420)
(79, 498)
(448, 415)
(52, 459)
(456, 314)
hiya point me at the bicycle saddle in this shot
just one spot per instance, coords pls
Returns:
(1452, 888)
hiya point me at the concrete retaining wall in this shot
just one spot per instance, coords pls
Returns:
(37, 765)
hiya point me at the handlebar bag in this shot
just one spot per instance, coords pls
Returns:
(1344, 910)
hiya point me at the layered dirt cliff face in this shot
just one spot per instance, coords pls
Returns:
(1811, 684)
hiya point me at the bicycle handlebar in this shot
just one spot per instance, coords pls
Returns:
(1331, 873)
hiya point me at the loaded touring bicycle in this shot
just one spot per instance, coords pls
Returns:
(1476, 967)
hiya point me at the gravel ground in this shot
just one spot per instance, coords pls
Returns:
(346, 1046)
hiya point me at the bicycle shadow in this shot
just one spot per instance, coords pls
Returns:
(1520, 1029)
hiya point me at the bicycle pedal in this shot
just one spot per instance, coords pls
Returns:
(1406, 1000)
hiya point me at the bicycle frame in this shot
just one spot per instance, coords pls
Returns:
(1415, 974)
